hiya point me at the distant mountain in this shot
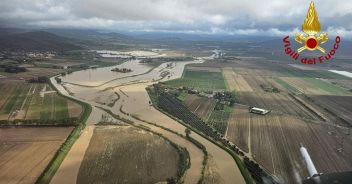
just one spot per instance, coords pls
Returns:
(90, 35)
(35, 41)
(197, 37)
(8, 31)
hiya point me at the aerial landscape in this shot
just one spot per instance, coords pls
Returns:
(175, 92)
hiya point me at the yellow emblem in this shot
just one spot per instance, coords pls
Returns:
(311, 28)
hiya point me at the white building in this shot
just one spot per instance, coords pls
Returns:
(257, 110)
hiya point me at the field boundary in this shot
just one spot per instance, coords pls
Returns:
(60, 155)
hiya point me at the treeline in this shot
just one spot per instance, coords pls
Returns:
(13, 68)
(165, 59)
(257, 172)
(41, 79)
(42, 122)
(225, 97)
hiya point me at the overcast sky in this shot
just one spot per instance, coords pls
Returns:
(254, 17)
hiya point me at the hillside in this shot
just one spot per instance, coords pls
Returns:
(35, 41)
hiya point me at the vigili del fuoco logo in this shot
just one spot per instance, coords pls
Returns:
(311, 39)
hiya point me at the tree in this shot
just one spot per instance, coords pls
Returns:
(188, 132)
(171, 180)
(58, 80)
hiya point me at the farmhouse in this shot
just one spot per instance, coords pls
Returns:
(258, 110)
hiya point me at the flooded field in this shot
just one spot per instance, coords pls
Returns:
(99, 76)
(137, 53)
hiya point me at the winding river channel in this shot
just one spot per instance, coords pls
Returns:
(115, 91)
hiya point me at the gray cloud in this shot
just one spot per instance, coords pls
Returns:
(206, 16)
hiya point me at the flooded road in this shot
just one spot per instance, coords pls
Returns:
(126, 91)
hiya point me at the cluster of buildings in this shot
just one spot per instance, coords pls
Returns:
(23, 56)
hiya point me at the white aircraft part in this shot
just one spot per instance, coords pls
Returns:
(310, 166)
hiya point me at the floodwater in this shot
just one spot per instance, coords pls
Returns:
(137, 53)
(99, 76)
(101, 86)
(93, 84)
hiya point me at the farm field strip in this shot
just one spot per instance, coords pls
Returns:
(238, 127)
(34, 101)
(201, 106)
(330, 88)
(338, 105)
(156, 160)
(219, 120)
(286, 86)
(241, 84)
(38, 144)
(230, 78)
(202, 81)
(203, 69)
(303, 86)
(204, 108)
(314, 86)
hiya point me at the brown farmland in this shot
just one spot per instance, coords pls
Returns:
(235, 81)
(273, 140)
(134, 156)
(304, 86)
(25, 152)
(201, 106)
(31, 101)
(340, 106)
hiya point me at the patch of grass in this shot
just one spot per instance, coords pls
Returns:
(333, 89)
(35, 105)
(61, 111)
(286, 85)
(218, 119)
(12, 99)
(21, 97)
(295, 72)
(182, 96)
(329, 75)
(202, 81)
(46, 110)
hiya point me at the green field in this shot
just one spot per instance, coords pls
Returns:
(202, 81)
(286, 85)
(333, 89)
(295, 72)
(32, 101)
(54, 107)
(219, 118)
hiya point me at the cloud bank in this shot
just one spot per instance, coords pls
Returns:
(254, 17)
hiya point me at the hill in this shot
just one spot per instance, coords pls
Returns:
(90, 35)
(36, 41)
